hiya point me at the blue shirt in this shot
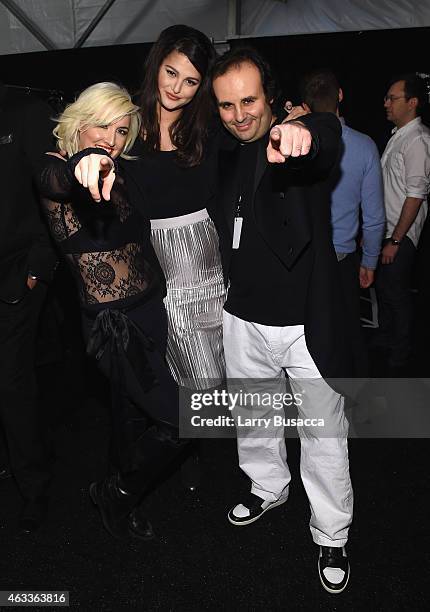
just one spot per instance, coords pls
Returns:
(359, 185)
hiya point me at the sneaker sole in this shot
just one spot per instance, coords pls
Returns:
(252, 520)
(334, 591)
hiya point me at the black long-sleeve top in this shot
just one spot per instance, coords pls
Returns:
(107, 244)
(171, 189)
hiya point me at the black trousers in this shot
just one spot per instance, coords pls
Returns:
(349, 275)
(145, 432)
(20, 418)
(4, 458)
(393, 282)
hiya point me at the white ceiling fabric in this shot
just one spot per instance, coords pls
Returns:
(137, 21)
(127, 21)
(319, 16)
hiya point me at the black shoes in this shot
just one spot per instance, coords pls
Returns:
(114, 504)
(138, 525)
(252, 509)
(33, 515)
(118, 510)
(5, 472)
(333, 568)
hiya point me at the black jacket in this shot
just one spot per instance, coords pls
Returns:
(25, 133)
(291, 205)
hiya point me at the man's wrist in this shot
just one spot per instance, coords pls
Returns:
(394, 241)
(370, 262)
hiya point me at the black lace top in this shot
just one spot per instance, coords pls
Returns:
(107, 244)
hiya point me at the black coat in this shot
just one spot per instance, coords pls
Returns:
(25, 133)
(291, 205)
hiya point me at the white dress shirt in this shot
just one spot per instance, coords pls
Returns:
(406, 173)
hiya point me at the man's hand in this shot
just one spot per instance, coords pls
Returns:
(288, 140)
(389, 253)
(31, 282)
(366, 277)
(93, 167)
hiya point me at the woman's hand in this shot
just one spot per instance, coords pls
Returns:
(294, 112)
(31, 282)
(90, 169)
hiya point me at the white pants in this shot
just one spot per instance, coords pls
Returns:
(257, 352)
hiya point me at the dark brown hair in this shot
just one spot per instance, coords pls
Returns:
(320, 91)
(241, 55)
(415, 87)
(190, 130)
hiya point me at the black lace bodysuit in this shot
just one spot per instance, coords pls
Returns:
(107, 244)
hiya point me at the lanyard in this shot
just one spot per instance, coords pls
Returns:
(238, 220)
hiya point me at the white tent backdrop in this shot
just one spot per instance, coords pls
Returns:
(35, 25)
(320, 16)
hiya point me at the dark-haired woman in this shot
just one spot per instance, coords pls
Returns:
(178, 178)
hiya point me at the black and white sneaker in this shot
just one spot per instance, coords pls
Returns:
(333, 568)
(252, 509)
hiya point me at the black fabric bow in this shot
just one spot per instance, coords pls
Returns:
(117, 337)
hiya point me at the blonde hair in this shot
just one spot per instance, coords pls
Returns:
(99, 104)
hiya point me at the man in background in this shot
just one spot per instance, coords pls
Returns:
(357, 192)
(26, 265)
(406, 174)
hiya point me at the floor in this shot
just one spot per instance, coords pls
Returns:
(198, 560)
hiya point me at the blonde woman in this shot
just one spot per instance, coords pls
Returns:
(174, 183)
(121, 288)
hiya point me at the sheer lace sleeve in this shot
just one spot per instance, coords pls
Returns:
(55, 185)
(61, 218)
(56, 179)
